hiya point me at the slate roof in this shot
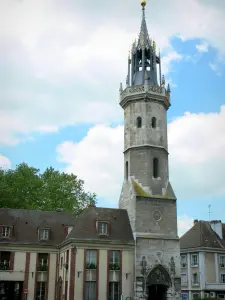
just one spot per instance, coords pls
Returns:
(118, 220)
(201, 235)
(26, 223)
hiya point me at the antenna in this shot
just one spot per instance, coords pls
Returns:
(209, 206)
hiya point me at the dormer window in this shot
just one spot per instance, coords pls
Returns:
(6, 231)
(103, 228)
(44, 234)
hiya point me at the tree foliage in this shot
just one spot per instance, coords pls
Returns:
(27, 188)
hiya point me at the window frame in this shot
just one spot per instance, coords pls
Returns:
(186, 281)
(192, 260)
(42, 237)
(155, 169)
(106, 224)
(5, 230)
(153, 122)
(183, 263)
(222, 275)
(39, 295)
(89, 260)
(222, 261)
(114, 296)
(197, 282)
(90, 297)
(139, 122)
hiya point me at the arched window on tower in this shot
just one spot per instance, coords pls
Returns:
(155, 167)
(139, 122)
(126, 170)
(153, 122)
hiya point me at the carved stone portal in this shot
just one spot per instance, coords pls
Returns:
(159, 276)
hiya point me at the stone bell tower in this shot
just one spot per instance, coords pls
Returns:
(147, 193)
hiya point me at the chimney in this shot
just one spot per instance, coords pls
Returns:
(216, 226)
(195, 221)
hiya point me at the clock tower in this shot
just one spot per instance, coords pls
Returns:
(147, 194)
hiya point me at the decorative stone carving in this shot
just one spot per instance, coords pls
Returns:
(172, 266)
(137, 89)
(159, 275)
(155, 89)
(157, 215)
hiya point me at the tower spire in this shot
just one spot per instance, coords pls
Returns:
(143, 36)
(144, 60)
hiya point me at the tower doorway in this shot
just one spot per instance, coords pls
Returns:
(157, 292)
(157, 284)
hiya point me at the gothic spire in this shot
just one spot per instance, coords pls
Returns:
(143, 39)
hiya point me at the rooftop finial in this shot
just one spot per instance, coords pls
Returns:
(143, 3)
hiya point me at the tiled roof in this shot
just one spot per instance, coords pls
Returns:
(201, 235)
(26, 223)
(86, 225)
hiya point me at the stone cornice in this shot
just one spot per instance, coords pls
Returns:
(97, 243)
(145, 93)
(202, 249)
(146, 146)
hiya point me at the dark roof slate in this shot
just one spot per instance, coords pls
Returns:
(119, 225)
(26, 223)
(201, 235)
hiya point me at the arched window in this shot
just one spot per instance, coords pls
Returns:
(153, 122)
(139, 122)
(126, 171)
(155, 167)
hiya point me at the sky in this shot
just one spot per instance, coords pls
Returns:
(61, 64)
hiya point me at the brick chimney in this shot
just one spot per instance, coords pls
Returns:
(216, 226)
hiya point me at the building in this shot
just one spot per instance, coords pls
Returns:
(52, 255)
(105, 253)
(147, 194)
(203, 260)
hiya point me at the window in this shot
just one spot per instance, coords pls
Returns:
(44, 234)
(40, 291)
(126, 170)
(183, 279)
(153, 122)
(103, 228)
(183, 261)
(114, 291)
(91, 259)
(139, 122)
(222, 278)
(194, 260)
(222, 261)
(90, 290)
(42, 262)
(6, 231)
(195, 278)
(155, 167)
(5, 260)
(114, 260)
(195, 296)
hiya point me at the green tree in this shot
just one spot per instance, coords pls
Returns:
(27, 188)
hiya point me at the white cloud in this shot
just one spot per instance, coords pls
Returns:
(197, 157)
(184, 223)
(4, 162)
(202, 47)
(97, 159)
(58, 58)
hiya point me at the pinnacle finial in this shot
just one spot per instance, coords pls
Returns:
(143, 3)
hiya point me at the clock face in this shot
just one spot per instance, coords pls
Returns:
(157, 215)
